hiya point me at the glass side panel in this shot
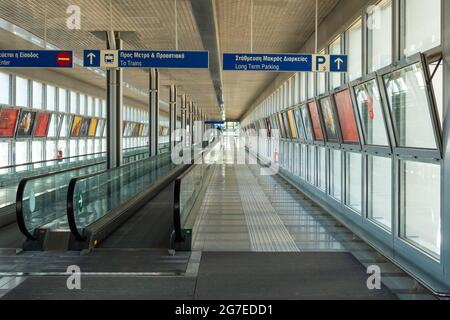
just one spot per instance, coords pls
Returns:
(380, 190)
(371, 113)
(96, 196)
(407, 97)
(307, 123)
(346, 116)
(45, 199)
(420, 205)
(190, 187)
(329, 120)
(315, 119)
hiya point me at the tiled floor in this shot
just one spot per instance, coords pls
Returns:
(245, 211)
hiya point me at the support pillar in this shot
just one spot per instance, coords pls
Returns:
(114, 106)
(154, 111)
(173, 116)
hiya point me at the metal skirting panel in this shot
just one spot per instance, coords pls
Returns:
(266, 229)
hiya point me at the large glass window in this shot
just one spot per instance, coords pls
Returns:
(321, 158)
(335, 174)
(379, 24)
(329, 120)
(335, 77)
(380, 190)
(304, 160)
(51, 97)
(420, 205)
(312, 165)
(50, 153)
(408, 102)
(6, 88)
(371, 113)
(4, 154)
(83, 103)
(73, 102)
(311, 85)
(303, 87)
(73, 148)
(353, 192)
(422, 25)
(21, 92)
(37, 151)
(37, 95)
(62, 100)
(21, 152)
(296, 89)
(353, 48)
(346, 116)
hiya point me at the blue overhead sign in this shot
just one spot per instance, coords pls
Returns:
(284, 62)
(36, 59)
(215, 122)
(146, 59)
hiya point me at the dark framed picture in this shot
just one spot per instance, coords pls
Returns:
(26, 124)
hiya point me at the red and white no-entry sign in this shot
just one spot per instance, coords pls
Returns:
(64, 59)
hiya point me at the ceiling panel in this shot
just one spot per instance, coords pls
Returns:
(279, 26)
(151, 21)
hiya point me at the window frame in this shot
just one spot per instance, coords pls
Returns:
(408, 152)
(348, 146)
(315, 140)
(329, 143)
(368, 148)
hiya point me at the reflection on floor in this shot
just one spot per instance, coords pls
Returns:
(244, 210)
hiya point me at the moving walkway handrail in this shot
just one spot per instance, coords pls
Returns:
(71, 193)
(21, 191)
(179, 237)
(24, 182)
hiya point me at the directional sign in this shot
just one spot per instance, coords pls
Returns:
(36, 59)
(146, 59)
(215, 122)
(284, 62)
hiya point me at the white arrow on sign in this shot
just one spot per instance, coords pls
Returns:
(91, 57)
(339, 62)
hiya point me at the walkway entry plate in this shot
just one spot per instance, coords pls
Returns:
(146, 59)
(36, 59)
(284, 62)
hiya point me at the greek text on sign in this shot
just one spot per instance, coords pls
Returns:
(284, 62)
(146, 59)
(36, 59)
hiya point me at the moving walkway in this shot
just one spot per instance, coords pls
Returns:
(82, 213)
